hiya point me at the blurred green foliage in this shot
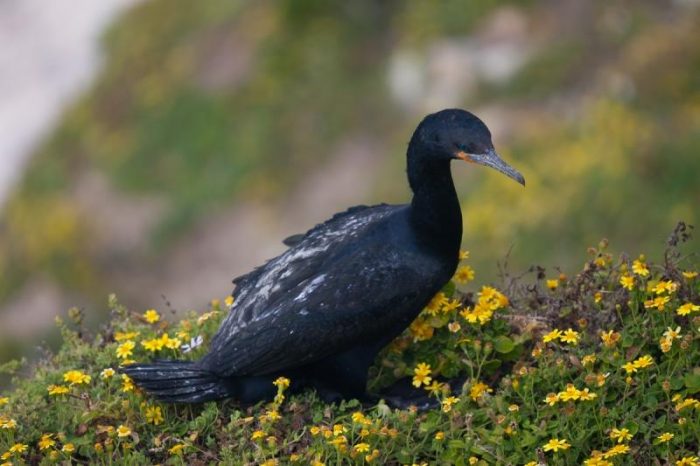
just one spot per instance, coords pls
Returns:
(203, 104)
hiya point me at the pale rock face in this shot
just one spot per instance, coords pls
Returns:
(49, 52)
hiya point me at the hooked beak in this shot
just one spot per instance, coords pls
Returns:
(491, 159)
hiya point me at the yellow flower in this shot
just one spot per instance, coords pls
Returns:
(463, 255)
(588, 360)
(271, 415)
(629, 367)
(454, 327)
(644, 361)
(258, 434)
(315, 430)
(551, 399)
(640, 268)
(552, 284)
(450, 306)
(687, 308)
(76, 377)
(68, 448)
(123, 431)
(481, 313)
(492, 298)
(556, 445)
(587, 395)
(339, 441)
(690, 275)
(688, 461)
(627, 281)
(46, 442)
(177, 449)
(281, 382)
(478, 389)
(127, 383)
(621, 435)
(154, 415)
(598, 297)
(107, 373)
(464, 274)
(18, 448)
(228, 301)
(126, 349)
(436, 303)
(421, 374)
(688, 402)
(448, 402)
(570, 336)
(602, 261)
(7, 424)
(421, 330)
(570, 394)
(665, 344)
(122, 336)
(665, 437)
(4, 400)
(435, 387)
(551, 336)
(659, 303)
(361, 447)
(672, 334)
(206, 316)
(58, 390)
(610, 338)
(665, 287)
(151, 316)
(619, 449)
(153, 345)
(439, 435)
(473, 460)
(513, 408)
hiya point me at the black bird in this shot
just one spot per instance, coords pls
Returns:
(320, 312)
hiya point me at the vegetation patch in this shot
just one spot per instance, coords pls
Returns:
(601, 368)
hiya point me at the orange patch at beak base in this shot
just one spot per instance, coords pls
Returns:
(464, 156)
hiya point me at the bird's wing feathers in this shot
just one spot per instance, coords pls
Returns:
(312, 300)
(325, 314)
(293, 240)
(323, 235)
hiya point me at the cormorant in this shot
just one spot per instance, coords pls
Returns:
(321, 311)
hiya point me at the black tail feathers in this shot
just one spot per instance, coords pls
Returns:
(178, 381)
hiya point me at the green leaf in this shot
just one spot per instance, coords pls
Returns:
(651, 401)
(491, 365)
(692, 382)
(503, 344)
(449, 289)
(677, 383)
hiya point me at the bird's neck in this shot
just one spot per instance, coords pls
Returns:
(435, 212)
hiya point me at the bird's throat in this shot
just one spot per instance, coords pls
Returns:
(435, 212)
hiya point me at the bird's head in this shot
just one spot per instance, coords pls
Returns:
(458, 134)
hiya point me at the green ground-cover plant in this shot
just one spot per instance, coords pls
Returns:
(601, 368)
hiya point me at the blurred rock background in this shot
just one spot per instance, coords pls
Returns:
(207, 131)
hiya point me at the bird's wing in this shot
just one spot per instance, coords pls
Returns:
(323, 235)
(324, 295)
(349, 302)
